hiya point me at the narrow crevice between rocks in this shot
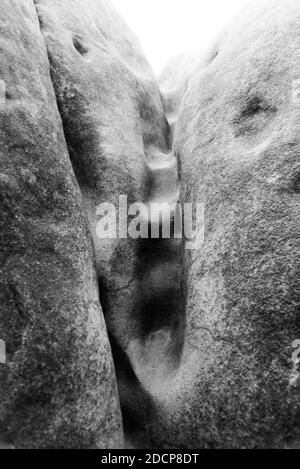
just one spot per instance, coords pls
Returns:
(156, 319)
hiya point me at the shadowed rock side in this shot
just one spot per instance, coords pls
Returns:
(174, 82)
(237, 139)
(118, 140)
(58, 387)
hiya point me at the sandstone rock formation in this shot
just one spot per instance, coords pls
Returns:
(58, 386)
(237, 139)
(118, 140)
(202, 340)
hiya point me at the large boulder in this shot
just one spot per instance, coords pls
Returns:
(57, 387)
(118, 140)
(208, 361)
(237, 139)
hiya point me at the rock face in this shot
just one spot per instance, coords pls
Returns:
(203, 341)
(58, 387)
(118, 139)
(237, 140)
(174, 82)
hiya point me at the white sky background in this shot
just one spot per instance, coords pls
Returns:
(169, 27)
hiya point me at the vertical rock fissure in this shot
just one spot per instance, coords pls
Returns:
(147, 336)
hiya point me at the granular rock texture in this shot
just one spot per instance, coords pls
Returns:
(203, 341)
(237, 139)
(118, 140)
(58, 387)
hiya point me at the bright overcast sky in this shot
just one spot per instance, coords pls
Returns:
(168, 27)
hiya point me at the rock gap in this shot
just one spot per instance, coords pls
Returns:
(155, 321)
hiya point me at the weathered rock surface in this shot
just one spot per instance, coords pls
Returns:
(118, 140)
(237, 139)
(174, 82)
(206, 364)
(58, 386)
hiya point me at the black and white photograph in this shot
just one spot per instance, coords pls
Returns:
(149, 228)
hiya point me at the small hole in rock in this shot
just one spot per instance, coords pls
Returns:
(253, 116)
(80, 46)
(254, 106)
(213, 56)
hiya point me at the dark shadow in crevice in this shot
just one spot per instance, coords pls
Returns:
(135, 402)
